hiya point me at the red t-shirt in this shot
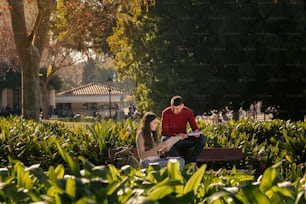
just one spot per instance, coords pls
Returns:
(173, 124)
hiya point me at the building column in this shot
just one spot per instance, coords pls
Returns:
(4, 97)
(7, 97)
(52, 98)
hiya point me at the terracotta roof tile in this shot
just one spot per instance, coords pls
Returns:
(91, 89)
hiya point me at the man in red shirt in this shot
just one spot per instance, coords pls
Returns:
(174, 123)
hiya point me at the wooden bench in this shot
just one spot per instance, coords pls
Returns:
(217, 158)
(211, 155)
(215, 154)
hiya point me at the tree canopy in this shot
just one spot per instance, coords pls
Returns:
(75, 25)
(215, 54)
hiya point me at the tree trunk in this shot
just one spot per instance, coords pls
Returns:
(30, 92)
(45, 99)
(29, 49)
(29, 61)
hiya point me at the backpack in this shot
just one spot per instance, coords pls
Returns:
(125, 156)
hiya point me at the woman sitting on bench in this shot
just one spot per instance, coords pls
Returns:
(148, 146)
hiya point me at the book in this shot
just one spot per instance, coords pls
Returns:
(172, 140)
(194, 133)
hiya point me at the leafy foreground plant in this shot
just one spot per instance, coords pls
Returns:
(106, 184)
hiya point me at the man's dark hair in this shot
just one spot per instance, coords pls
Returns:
(176, 101)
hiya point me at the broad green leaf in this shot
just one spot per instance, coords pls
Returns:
(300, 198)
(166, 182)
(40, 175)
(97, 184)
(101, 171)
(71, 187)
(23, 177)
(217, 197)
(161, 192)
(254, 195)
(278, 194)
(113, 174)
(59, 171)
(72, 164)
(126, 170)
(18, 195)
(115, 186)
(234, 170)
(173, 168)
(88, 166)
(273, 196)
(153, 176)
(49, 70)
(86, 200)
(54, 190)
(35, 196)
(153, 167)
(195, 180)
(3, 138)
(3, 173)
(141, 199)
(186, 198)
(268, 179)
(288, 157)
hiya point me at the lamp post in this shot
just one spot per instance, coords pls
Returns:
(109, 81)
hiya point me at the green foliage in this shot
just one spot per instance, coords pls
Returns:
(55, 81)
(10, 75)
(214, 54)
(106, 184)
(263, 143)
(32, 142)
(86, 27)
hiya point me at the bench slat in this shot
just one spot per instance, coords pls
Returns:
(207, 155)
(221, 154)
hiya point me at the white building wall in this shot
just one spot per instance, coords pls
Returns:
(4, 97)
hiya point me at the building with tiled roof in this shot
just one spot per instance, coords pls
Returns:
(91, 99)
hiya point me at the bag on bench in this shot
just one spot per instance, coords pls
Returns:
(125, 157)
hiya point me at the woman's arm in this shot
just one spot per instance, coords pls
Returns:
(142, 153)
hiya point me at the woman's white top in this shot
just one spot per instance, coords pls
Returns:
(151, 158)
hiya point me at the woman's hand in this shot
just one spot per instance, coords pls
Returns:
(164, 147)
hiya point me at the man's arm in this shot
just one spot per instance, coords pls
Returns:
(196, 131)
(192, 122)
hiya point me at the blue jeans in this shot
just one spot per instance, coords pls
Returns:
(197, 142)
(162, 162)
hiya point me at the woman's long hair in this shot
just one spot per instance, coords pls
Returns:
(146, 132)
